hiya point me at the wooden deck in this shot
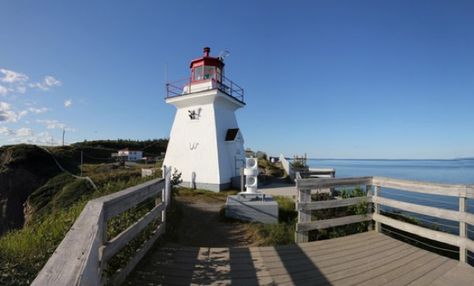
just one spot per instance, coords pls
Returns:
(363, 259)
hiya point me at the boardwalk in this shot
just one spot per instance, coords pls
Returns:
(363, 259)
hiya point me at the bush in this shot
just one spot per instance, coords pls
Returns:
(275, 234)
(281, 233)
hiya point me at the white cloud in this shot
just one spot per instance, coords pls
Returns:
(47, 83)
(3, 90)
(20, 133)
(8, 115)
(38, 110)
(26, 135)
(22, 113)
(68, 103)
(5, 131)
(21, 89)
(51, 124)
(12, 77)
(24, 132)
(19, 82)
(51, 81)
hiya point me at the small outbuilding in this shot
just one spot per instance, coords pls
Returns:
(130, 155)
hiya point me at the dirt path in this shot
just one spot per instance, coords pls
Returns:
(201, 225)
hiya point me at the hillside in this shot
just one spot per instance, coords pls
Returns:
(39, 202)
(26, 170)
(23, 169)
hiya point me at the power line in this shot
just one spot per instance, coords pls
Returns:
(66, 171)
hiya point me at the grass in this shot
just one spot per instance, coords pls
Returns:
(203, 195)
(281, 233)
(24, 252)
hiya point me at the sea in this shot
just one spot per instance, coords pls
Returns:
(457, 171)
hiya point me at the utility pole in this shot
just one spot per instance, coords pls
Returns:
(82, 160)
(64, 132)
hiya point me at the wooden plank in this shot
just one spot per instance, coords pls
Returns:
(340, 262)
(433, 274)
(120, 275)
(323, 246)
(370, 209)
(404, 276)
(344, 269)
(460, 275)
(328, 253)
(329, 258)
(425, 187)
(329, 204)
(304, 196)
(76, 260)
(426, 210)
(119, 202)
(378, 227)
(425, 232)
(321, 224)
(117, 243)
(317, 183)
(462, 230)
(364, 273)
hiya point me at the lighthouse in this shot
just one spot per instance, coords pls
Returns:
(206, 145)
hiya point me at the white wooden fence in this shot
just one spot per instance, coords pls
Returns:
(373, 186)
(83, 254)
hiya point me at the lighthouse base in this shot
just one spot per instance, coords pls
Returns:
(261, 209)
(206, 186)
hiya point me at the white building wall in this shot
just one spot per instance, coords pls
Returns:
(228, 151)
(199, 146)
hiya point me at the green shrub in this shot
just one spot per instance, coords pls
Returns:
(24, 252)
(281, 233)
(275, 234)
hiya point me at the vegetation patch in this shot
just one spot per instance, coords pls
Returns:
(281, 233)
(203, 195)
(54, 209)
(338, 231)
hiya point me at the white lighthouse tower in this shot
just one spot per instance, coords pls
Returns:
(206, 144)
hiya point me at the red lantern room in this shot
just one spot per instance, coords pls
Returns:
(207, 68)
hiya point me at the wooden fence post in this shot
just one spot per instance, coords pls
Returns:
(102, 263)
(378, 227)
(368, 191)
(462, 229)
(304, 196)
(168, 186)
(165, 192)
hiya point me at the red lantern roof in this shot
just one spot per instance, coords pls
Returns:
(207, 68)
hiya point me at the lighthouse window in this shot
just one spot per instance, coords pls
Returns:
(198, 73)
(208, 72)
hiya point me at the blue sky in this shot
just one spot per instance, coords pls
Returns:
(333, 79)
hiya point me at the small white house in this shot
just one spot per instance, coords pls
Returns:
(130, 155)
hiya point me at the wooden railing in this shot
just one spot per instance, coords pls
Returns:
(373, 186)
(84, 252)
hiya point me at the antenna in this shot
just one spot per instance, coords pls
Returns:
(224, 54)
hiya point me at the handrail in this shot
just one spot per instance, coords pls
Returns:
(373, 186)
(83, 253)
(184, 87)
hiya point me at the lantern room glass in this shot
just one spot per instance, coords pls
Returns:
(207, 72)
